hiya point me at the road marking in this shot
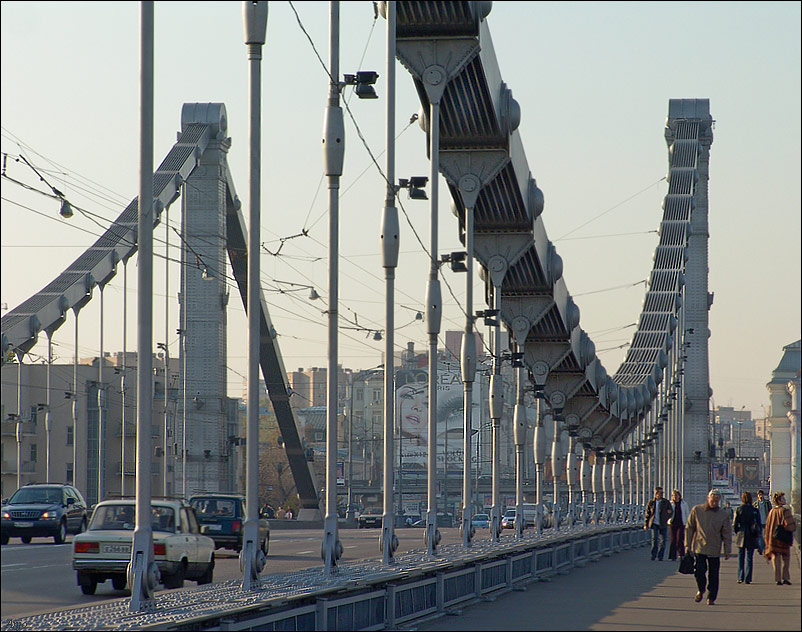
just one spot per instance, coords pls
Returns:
(30, 568)
(10, 565)
(351, 546)
(303, 552)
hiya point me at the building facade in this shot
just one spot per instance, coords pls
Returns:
(107, 467)
(782, 427)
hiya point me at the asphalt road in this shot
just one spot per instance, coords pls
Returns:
(38, 577)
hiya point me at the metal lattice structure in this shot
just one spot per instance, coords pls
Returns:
(657, 400)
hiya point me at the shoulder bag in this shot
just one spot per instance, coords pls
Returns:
(782, 534)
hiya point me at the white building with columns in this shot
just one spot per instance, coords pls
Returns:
(783, 425)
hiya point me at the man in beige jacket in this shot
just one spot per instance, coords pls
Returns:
(707, 532)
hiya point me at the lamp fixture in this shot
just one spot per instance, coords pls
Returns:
(66, 210)
(363, 80)
(414, 186)
(456, 261)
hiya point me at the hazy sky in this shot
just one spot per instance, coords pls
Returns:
(593, 81)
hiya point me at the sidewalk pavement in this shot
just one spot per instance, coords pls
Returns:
(628, 591)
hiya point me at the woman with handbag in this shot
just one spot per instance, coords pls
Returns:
(676, 525)
(746, 526)
(778, 544)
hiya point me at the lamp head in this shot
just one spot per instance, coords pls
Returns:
(66, 210)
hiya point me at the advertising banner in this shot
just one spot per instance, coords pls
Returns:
(745, 470)
(412, 416)
(720, 472)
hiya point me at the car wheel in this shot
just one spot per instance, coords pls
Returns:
(208, 574)
(119, 582)
(88, 583)
(266, 545)
(26, 539)
(61, 535)
(5, 540)
(176, 580)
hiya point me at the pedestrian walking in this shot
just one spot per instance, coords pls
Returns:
(658, 511)
(280, 514)
(676, 525)
(763, 506)
(708, 532)
(777, 551)
(746, 526)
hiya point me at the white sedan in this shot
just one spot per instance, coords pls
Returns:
(180, 550)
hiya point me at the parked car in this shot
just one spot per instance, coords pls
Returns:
(43, 510)
(371, 517)
(180, 549)
(443, 520)
(225, 515)
(481, 521)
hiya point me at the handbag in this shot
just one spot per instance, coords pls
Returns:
(755, 527)
(686, 564)
(783, 535)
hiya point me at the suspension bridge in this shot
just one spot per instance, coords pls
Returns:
(630, 428)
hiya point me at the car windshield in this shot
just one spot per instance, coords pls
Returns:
(510, 513)
(29, 495)
(214, 507)
(123, 517)
(481, 517)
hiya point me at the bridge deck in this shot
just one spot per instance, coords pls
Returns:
(207, 607)
(628, 591)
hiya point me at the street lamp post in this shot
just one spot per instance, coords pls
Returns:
(333, 157)
(252, 558)
(389, 244)
(143, 574)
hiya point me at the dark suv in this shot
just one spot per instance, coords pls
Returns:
(43, 510)
(224, 516)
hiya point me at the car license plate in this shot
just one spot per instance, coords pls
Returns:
(23, 524)
(215, 527)
(117, 548)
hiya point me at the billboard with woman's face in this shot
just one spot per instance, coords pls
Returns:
(412, 417)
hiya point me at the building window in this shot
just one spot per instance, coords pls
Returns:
(69, 474)
(33, 452)
(377, 395)
(69, 436)
(359, 395)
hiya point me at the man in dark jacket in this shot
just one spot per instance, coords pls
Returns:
(658, 511)
(763, 506)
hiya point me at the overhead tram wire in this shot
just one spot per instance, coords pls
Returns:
(200, 259)
(65, 171)
(373, 158)
(609, 289)
(229, 281)
(375, 162)
(643, 232)
(615, 206)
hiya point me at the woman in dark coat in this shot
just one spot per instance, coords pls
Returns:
(746, 525)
